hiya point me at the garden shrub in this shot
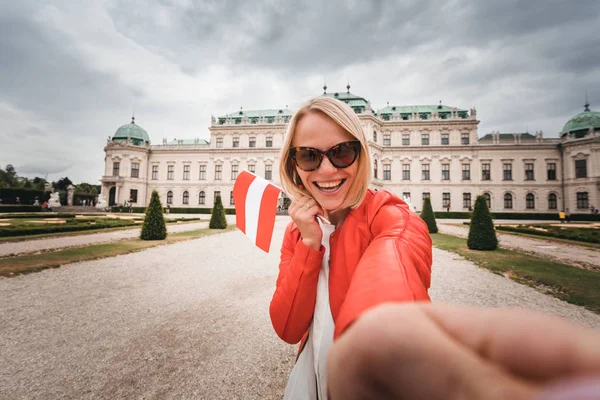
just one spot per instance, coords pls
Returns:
(154, 227)
(481, 230)
(217, 219)
(428, 216)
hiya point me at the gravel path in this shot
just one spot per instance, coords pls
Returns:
(29, 246)
(562, 252)
(188, 320)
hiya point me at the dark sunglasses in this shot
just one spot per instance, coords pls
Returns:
(342, 155)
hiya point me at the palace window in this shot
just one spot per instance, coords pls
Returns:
(155, 172)
(582, 200)
(170, 172)
(405, 139)
(488, 200)
(202, 174)
(236, 141)
(530, 201)
(464, 138)
(580, 168)
(467, 200)
(269, 141)
(186, 197)
(445, 139)
(486, 172)
(116, 166)
(445, 172)
(446, 199)
(406, 195)
(169, 197)
(252, 168)
(216, 193)
(375, 136)
(552, 203)
(507, 170)
(219, 142)
(425, 139)
(234, 172)
(425, 172)
(218, 170)
(406, 172)
(529, 171)
(387, 139)
(426, 195)
(466, 172)
(375, 169)
(551, 168)
(508, 203)
(201, 198)
(135, 170)
(387, 172)
(252, 141)
(268, 172)
(186, 172)
(133, 193)
(231, 202)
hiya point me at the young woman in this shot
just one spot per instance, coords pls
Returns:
(375, 250)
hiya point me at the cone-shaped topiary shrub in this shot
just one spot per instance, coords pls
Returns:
(154, 227)
(482, 235)
(428, 216)
(217, 219)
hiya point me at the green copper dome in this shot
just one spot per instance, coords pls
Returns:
(581, 123)
(135, 133)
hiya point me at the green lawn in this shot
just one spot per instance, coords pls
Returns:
(581, 234)
(574, 285)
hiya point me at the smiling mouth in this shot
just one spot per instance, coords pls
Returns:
(329, 187)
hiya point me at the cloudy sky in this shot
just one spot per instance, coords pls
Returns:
(71, 72)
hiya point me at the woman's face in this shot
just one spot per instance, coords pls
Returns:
(327, 184)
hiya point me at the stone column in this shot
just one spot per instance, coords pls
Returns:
(70, 191)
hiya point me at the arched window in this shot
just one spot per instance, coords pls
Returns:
(375, 169)
(169, 197)
(375, 136)
(186, 197)
(201, 198)
(530, 201)
(508, 200)
(488, 200)
(552, 204)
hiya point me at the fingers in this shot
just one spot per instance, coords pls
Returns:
(399, 352)
(528, 344)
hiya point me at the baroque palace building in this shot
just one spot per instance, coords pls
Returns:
(417, 151)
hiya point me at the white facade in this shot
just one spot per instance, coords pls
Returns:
(417, 151)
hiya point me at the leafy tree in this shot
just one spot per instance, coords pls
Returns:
(428, 216)
(63, 183)
(154, 227)
(218, 219)
(482, 235)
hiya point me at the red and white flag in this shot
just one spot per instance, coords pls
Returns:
(255, 201)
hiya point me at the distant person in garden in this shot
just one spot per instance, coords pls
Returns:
(568, 215)
(372, 249)
(448, 207)
(561, 216)
(18, 200)
(45, 206)
(130, 205)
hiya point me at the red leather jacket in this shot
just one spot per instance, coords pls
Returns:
(381, 253)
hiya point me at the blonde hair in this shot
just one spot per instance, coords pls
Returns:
(345, 117)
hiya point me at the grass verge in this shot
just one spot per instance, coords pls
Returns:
(574, 285)
(37, 262)
(552, 239)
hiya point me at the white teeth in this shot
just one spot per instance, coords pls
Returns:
(328, 184)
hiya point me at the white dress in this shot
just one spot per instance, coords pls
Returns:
(308, 379)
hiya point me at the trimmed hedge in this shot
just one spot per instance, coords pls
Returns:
(154, 227)
(9, 231)
(14, 209)
(177, 210)
(217, 219)
(26, 196)
(428, 217)
(517, 216)
(593, 236)
(37, 215)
